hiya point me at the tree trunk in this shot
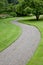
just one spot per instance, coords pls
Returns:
(37, 17)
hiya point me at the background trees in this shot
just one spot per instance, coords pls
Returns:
(3, 5)
(22, 7)
(13, 1)
(28, 10)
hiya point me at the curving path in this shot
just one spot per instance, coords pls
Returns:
(23, 48)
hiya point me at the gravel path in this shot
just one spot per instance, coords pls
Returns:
(23, 48)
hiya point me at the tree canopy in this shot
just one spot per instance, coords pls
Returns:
(22, 7)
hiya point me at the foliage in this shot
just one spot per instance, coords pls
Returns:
(20, 8)
(28, 10)
(13, 14)
(3, 5)
(13, 1)
(10, 8)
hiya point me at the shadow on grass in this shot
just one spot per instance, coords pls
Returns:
(41, 19)
(34, 20)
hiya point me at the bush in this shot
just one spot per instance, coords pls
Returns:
(13, 14)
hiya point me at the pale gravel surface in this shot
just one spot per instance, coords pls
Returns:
(23, 48)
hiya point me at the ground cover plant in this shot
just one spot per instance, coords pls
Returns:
(8, 33)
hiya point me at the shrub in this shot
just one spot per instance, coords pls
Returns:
(13, 14)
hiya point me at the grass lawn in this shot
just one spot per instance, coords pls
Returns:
(8, 33)
(37, 58)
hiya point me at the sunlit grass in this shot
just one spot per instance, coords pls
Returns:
(8, 33)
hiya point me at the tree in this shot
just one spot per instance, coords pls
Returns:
(3, 5)
(20, 8)
(28, 2)
(37, 7)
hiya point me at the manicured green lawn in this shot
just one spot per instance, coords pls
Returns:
(8, 33)
(37, 58)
